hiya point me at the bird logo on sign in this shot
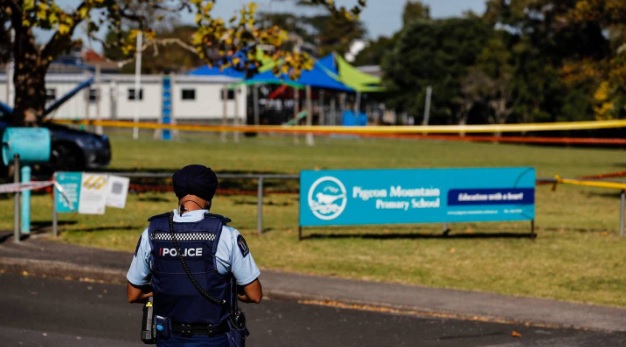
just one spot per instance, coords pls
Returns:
(327, 198)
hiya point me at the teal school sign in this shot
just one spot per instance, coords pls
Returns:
(70, 182)
(395, 196)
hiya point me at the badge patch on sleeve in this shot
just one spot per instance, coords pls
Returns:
(243, 246)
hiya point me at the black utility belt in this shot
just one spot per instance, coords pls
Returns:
(200, 329)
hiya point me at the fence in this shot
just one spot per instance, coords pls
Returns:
(261, 178)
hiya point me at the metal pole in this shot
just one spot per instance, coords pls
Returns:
(259, 220)
(296, 110)
(137, 85)
(309, 116)
(16, 206)
(621, 219)
(321, 108)
(224, 110)
(55, 216)
(236, 117)
(86, 97)
(357, 104)
(429, 91)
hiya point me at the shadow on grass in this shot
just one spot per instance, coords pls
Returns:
(109, 228)
(36, 228)
(152, 198)
(160, 180)
(45, 226)
(266, 202)
(42, 227)
(416, 236)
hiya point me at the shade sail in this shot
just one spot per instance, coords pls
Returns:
(349, 75)
(318, 77)
(330, 72)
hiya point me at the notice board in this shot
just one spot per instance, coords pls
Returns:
(394, 196)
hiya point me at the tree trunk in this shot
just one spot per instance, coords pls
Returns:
(29, 80)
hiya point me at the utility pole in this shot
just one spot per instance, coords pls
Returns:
(137, 84)
(429, 91)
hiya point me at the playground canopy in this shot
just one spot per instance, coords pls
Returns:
(317, 77)
(330, 72)
(349, 75)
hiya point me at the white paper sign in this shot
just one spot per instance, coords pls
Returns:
(93, 193)
(117, 191)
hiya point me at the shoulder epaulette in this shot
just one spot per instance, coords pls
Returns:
(161, 215)
(224, 219)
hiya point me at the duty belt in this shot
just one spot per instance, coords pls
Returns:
(200, 329)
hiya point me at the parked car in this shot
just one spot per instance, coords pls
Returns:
(71, 149)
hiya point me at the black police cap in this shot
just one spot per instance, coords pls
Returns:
(197, 180)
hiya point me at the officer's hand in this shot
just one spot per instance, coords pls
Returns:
(250, 293)
(138, 294)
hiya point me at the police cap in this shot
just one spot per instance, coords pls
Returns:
(197, 180)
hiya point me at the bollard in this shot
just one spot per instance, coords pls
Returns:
(621, 213)
(25, 200)
(16, 206)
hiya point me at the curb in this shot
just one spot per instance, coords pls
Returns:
(61, 270)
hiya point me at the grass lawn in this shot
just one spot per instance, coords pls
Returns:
(577, 256)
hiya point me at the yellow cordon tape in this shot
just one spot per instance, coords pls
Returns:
(599, 184)
(372, 129)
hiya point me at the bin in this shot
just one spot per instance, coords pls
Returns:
(32, 145)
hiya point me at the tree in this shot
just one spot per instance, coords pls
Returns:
(173, 53)
(375, 51)
(489, 80)
(579, 42)
(414, 10)
(233, 44)
(322, 33)
(435, 53)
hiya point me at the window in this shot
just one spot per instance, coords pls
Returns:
(131, 94)
(188, 94)
(51, 94)
(93, 95)
(230, 94)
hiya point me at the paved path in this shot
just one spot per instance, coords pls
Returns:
(45, 256)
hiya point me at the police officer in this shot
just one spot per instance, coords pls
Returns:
(195, 266)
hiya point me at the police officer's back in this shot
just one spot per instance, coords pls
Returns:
(196, 267)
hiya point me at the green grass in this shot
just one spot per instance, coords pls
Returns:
(577, 256)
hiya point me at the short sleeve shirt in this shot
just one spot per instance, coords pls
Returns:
(232, 254)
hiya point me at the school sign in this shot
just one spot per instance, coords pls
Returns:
(394, 196)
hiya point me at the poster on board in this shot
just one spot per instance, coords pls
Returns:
(93, 193)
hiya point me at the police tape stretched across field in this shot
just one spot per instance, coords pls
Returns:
(195, 268)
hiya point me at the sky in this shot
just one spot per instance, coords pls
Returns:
(380, 17)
